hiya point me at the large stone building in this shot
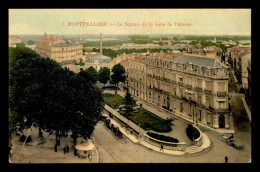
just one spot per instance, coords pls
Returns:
(249, 94)
(58, 49)
(193, 86)
(245, 58)
(98, 60)
(239, 58)
(13, 40)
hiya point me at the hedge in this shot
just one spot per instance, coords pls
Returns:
(23, 137)
(162, 137)
(192, 132)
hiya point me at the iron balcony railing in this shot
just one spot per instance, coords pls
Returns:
(189, 86)
(165, 79)
(207, 91)
(199, 89)
(173, 81)
(221, 94)
(180, 83)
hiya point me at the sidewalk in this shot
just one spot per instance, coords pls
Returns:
(123, 130)
(248, 111)
(206, 144)
(44, 153)
(160, 112)
(206, 140)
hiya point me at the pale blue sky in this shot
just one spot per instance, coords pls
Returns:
(203, 21)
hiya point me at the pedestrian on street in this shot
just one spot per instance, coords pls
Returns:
(55, 148)
(64, 149)
(161, 148)
(226, 159)
(75, 152)
(68, 148)
(90, 158)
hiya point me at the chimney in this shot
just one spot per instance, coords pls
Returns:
(45, 34)
(100, 43)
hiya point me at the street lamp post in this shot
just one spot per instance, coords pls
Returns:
(196, 119)
(139, 128)
(193, 115)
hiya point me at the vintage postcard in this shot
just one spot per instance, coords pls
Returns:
(129, 86)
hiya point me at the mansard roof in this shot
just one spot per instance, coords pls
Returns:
(199, 61)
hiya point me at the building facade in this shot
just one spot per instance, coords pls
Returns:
(98, 62)
(245, 58)
(14, 40)
(136, 76)
(58, 49)
(195, 87)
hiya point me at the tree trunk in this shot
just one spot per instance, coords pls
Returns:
(74, 136)
(75, 140)
(116, 88)
(57, 139)
(40, 131)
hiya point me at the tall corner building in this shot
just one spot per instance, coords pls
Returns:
(195, 87)
(58, 49)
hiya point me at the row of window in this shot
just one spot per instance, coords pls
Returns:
(138, 67)
(198, 99)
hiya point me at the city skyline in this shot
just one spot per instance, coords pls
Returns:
(130, 21)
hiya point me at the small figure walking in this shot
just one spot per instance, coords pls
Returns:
(67, 148)
(75, 152)
(90, 157)
(226, 159)
(161, 148)
(64, 149)
(55, 148)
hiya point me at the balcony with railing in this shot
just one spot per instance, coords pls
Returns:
(166, 92)
(165, 79)
(188, 86)
(157, 89)
(177, 97)
(174, 82)
(180, 83)
(216, 110)
(199, 89)
(149, 75)
(207, 91)
(221, 94)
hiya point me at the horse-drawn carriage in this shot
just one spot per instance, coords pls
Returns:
(116, 131)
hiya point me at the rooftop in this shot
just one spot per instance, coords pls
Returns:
(199, 61)
(100, 58)
(65, 44)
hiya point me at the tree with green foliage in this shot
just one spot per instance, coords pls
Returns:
(104, 75)
(118, 74)
(27, 87)
(129, 103)
(30, 42)
(81, 63)
(86, 104)
(135, 37)
(43, 94)
(89, 74)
